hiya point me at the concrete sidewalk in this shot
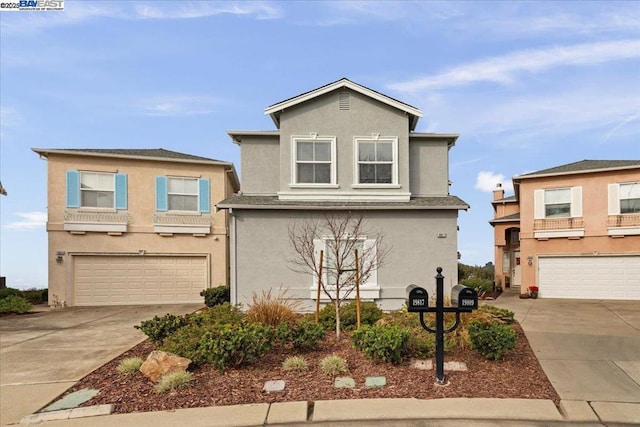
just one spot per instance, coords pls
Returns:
(589, 349)
(43, 354)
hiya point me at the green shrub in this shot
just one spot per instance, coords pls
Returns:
(36, 296)
(186, 342)
(217, 315)
(160, 328)
(295, 363)
(216, 296)
(491, 340)
(173, 380)
(272, 309)
(223, 346)
(370, 313)
(478, 284)
(7, 292)
(15, 304)
(129, 365)
(303, 334)
(382, 342)
(334, 365)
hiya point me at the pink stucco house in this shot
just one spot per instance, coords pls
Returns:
(572, 230)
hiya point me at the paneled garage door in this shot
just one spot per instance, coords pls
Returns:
(120, 280)
(590, 277)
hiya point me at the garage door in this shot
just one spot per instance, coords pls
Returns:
(590, 277)
(120, 280)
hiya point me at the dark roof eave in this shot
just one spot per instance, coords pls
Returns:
(340, 207)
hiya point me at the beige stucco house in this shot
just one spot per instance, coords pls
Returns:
(343, 148)
(129, 226)
(571, 230)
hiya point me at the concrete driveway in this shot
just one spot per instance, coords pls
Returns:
(589, 349)
(43, 354)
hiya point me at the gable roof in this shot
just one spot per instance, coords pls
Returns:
(275, 109)
(583, 166)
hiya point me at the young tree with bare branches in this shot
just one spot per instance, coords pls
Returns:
(339, 235)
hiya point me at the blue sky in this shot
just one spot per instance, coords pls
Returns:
(527, 85)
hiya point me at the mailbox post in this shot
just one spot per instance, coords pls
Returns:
(463, 300)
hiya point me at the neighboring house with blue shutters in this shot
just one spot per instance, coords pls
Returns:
(135, 226)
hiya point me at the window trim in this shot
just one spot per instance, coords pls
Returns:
(575, 202)
(568, 189)
(394, 162)
(369, 290)
(113, 190)
(313, 137)
(620, 199)
(197, 194)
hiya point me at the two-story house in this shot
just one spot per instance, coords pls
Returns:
(572, 230)
(343, 148)
(129, 226)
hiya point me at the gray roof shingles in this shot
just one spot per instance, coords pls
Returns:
(508, 218)
(140, 152)
(272, 202)
(583, 166)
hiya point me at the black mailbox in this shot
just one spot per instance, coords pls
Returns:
(418, 299)
(464, 298)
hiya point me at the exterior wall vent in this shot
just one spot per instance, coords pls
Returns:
(343, 101)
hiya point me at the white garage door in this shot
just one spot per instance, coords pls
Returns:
(120, 280)
(590, 277)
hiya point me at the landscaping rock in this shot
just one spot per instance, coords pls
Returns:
(375, 382)
(160, 363)
(423, 365)
(344, 382)
(273, 386)
(455, 366)
(72, 400)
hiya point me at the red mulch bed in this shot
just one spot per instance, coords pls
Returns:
(517, 375)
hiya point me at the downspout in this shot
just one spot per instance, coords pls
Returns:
(233, 257)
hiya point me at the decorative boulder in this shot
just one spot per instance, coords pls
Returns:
(160, 363)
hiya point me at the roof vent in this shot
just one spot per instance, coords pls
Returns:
(343, 101)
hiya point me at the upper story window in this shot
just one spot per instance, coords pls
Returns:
(97, 190)
(629, 194)
(376, 160)
(314, 160)
(103, 190)
(182, 194)
(557, 203)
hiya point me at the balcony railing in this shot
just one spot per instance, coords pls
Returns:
(558, 223)
(627, 220)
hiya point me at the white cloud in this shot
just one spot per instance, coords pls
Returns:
(10, 118)
(505, 69)
(177, 105)
(29, 221)
(487, 182)
(191, 10)
(77, 12)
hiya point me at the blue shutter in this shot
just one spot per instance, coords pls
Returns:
(161, 194)
(204, 196)
(121, 191)
(73, 189)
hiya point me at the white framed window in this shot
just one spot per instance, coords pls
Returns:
(629, 195)
(367, 257)
(97, 190)
(182, 194)
(557, 203)
(376, 161)
(313, 160)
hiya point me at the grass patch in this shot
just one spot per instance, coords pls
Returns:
(129, 365)
(173, 380)
(334, 365)
(295, 363)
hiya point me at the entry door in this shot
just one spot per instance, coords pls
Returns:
(515, 269)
